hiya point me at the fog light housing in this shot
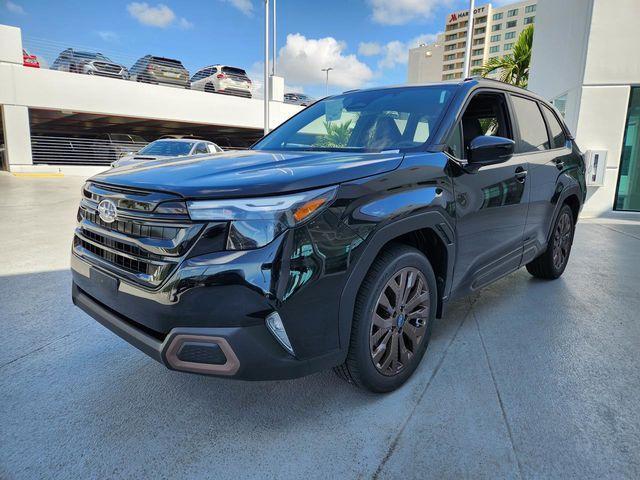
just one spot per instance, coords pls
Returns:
(276, 327)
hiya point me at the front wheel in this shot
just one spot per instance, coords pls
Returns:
(393, 316)
(551, 264)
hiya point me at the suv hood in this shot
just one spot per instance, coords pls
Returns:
(249, 173)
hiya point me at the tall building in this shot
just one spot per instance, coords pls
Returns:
(425, 62)
(495, 31)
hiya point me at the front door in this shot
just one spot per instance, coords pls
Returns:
(491, 204)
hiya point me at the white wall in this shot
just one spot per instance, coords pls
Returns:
(586, 48)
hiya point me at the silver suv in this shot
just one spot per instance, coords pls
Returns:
(222, 79)
(90, 63)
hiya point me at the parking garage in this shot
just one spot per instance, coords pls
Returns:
(54, 120)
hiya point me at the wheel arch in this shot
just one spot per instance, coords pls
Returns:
(430, 232)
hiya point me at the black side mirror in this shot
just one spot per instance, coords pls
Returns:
(487, 150)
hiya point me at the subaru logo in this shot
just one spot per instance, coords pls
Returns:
(107, 211)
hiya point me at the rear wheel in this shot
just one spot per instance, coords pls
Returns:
(551, 264)
(392, 320)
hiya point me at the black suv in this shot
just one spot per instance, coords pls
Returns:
(337, 239)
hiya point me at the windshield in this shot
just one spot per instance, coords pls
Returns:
(369, 121)
(91, 56)
(167, 148)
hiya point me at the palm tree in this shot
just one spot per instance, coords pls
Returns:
(337, 135)
(513, 68)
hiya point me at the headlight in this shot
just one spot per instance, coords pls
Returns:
(257, 221)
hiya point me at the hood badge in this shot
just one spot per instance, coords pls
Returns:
(107, 211)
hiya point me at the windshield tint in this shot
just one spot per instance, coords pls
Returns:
(166, 148)
(375, 120)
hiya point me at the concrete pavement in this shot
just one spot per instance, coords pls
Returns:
(528, 379)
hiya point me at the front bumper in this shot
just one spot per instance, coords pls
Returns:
(247, 353)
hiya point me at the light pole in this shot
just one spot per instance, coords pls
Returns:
(326, 83)
(273, 65)
(265, 86)
(467, 54)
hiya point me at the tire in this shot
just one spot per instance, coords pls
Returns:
(552, 263)
(368, 364)
(209, 88)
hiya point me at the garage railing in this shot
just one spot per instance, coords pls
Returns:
(52, 150)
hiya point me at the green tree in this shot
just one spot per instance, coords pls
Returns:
(512, 68)
(337, 136)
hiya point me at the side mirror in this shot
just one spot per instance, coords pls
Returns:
(486, 150)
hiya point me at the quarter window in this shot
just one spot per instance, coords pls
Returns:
(533, 131)
(558, 137)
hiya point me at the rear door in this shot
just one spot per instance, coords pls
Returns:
(491, 203)
(543, 142)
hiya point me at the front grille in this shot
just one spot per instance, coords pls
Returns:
(107, 67)
(141, 246)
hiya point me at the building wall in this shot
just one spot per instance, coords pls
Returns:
(581, 50)
(425, 63)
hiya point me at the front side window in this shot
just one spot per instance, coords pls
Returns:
(558, 137)
(364, 121)
(533, 132)
(486, 115)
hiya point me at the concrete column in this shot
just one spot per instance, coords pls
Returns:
(10, 44)
(17, 135)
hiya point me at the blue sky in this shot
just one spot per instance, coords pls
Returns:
(366, 41)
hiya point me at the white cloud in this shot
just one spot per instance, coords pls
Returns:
(301, 59)
(369, 49)
(14, 8)
(159, 15)
(399, 12)
(397, 52)
(108, 36)
(245, 6)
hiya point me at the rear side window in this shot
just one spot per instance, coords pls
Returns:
(558, 137)
(533, 131)
(201, 148)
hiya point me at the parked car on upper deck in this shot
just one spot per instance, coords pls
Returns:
(160, 71)
(29, 60)
(222, 79)
(169, 147)
(90, 63)
(298, 99)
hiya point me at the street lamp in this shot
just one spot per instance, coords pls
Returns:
(265, 86)
(326, 84)
(467, 54)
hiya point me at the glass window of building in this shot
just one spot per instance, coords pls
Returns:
(453, 36)
(529, 20)
(560, 103)
(494, 49)
(478, 51)
(476, 63)
(530, 9)
(495, 38)
(449, 47)
(481, 20)
(497, 16)
(628, 191)
(512, 13)
(508, 46)
(509, 35)
(496, 27)
(479, 31)
(478, 41)
(512, 24)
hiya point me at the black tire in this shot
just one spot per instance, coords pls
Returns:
(209, 88)
(552, 263)
(360, 368)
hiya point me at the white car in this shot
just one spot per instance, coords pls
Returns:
(222, 79)
(169, 148)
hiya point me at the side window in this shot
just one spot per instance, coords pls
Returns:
(533, 132)
(485, 115)
(212, 148)
(558, 137)
(201, 148)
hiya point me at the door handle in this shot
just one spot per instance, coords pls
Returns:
(521, 174)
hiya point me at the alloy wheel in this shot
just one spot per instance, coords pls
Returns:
(399, 321)
(561, 241)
